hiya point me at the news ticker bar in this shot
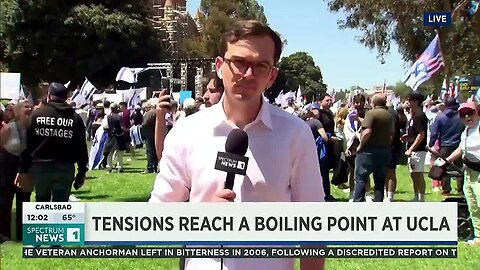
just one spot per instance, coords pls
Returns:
(240, 252)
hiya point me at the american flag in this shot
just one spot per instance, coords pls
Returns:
(429, 63)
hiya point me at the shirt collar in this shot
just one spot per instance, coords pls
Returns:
(264, 115)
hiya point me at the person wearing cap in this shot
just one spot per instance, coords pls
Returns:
(55, 143)
(446, 129)
(469, 152)
(416, 139)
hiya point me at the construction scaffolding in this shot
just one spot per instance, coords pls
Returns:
(184, 74)
(171, 18)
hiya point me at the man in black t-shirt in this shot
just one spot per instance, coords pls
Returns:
(318, 131)
(416, 139)
(328, 122)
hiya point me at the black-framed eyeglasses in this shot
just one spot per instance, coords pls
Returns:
(240, 67)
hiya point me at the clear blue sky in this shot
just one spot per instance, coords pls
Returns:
(309, 26)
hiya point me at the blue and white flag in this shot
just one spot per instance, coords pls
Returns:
(132, 98)
(96, 152)
(78, 98)
(136, 135)
(129, 75)
(87, 90)
(429, 63)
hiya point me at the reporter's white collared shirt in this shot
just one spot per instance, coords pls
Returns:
(283, 167)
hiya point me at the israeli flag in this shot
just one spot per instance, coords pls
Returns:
(136, 135)
(133, 98)
(96, 152)
(129, 75)
(87, 90)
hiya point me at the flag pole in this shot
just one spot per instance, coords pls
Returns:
(441, 47)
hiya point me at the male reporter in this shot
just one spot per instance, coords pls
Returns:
(283, 163)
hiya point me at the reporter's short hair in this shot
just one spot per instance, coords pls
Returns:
(244, 28)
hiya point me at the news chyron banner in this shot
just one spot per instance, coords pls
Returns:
(122, 223)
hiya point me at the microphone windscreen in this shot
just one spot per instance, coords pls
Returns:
(237, 142)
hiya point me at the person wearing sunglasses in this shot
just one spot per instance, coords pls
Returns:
(469, 151)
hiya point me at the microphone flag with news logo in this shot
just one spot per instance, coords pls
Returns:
(233, 160)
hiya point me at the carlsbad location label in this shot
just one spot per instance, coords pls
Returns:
(53, 224)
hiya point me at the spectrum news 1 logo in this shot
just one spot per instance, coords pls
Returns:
(436, 19)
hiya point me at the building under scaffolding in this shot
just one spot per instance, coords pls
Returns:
(171, 19)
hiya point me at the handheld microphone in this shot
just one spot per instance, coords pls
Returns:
(233, 160)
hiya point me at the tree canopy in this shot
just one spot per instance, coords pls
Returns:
(384, 21)
(64, 41)
(296, 70)
(215, 18)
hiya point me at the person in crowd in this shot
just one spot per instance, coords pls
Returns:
(115, 145)
(126, 124)
(107, 111)
(374, 150)
(214, 90)
(340, 167)
(148, 131)
(250, 52)
(290, 106)
(1, 118)
(469, 151)
(321, 138)
(8, 114)
(137, 116)
(12, 143)
(55, 142)
(328, 122)
(352, 130)
(416, 139)
(99, 117)
(396, 149)
(446, 129)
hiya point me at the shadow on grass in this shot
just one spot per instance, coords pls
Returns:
(81, 191)
(143, 198)
(92, 197)
(133, 170)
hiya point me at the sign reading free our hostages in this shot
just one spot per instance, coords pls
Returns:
(132, 223)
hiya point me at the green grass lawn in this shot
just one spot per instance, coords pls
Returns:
(133, 186)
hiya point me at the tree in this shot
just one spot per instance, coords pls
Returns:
(215, 18)
(400, 89)
(252, 10)
(384, 21)
(299, 69)
(62, 41)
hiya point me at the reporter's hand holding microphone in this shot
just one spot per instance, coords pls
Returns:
(232, 161)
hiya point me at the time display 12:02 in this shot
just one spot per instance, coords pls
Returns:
(39, 217)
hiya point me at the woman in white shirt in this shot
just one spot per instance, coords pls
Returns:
(469, 151)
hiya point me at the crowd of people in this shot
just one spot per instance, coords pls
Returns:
(292, 150)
